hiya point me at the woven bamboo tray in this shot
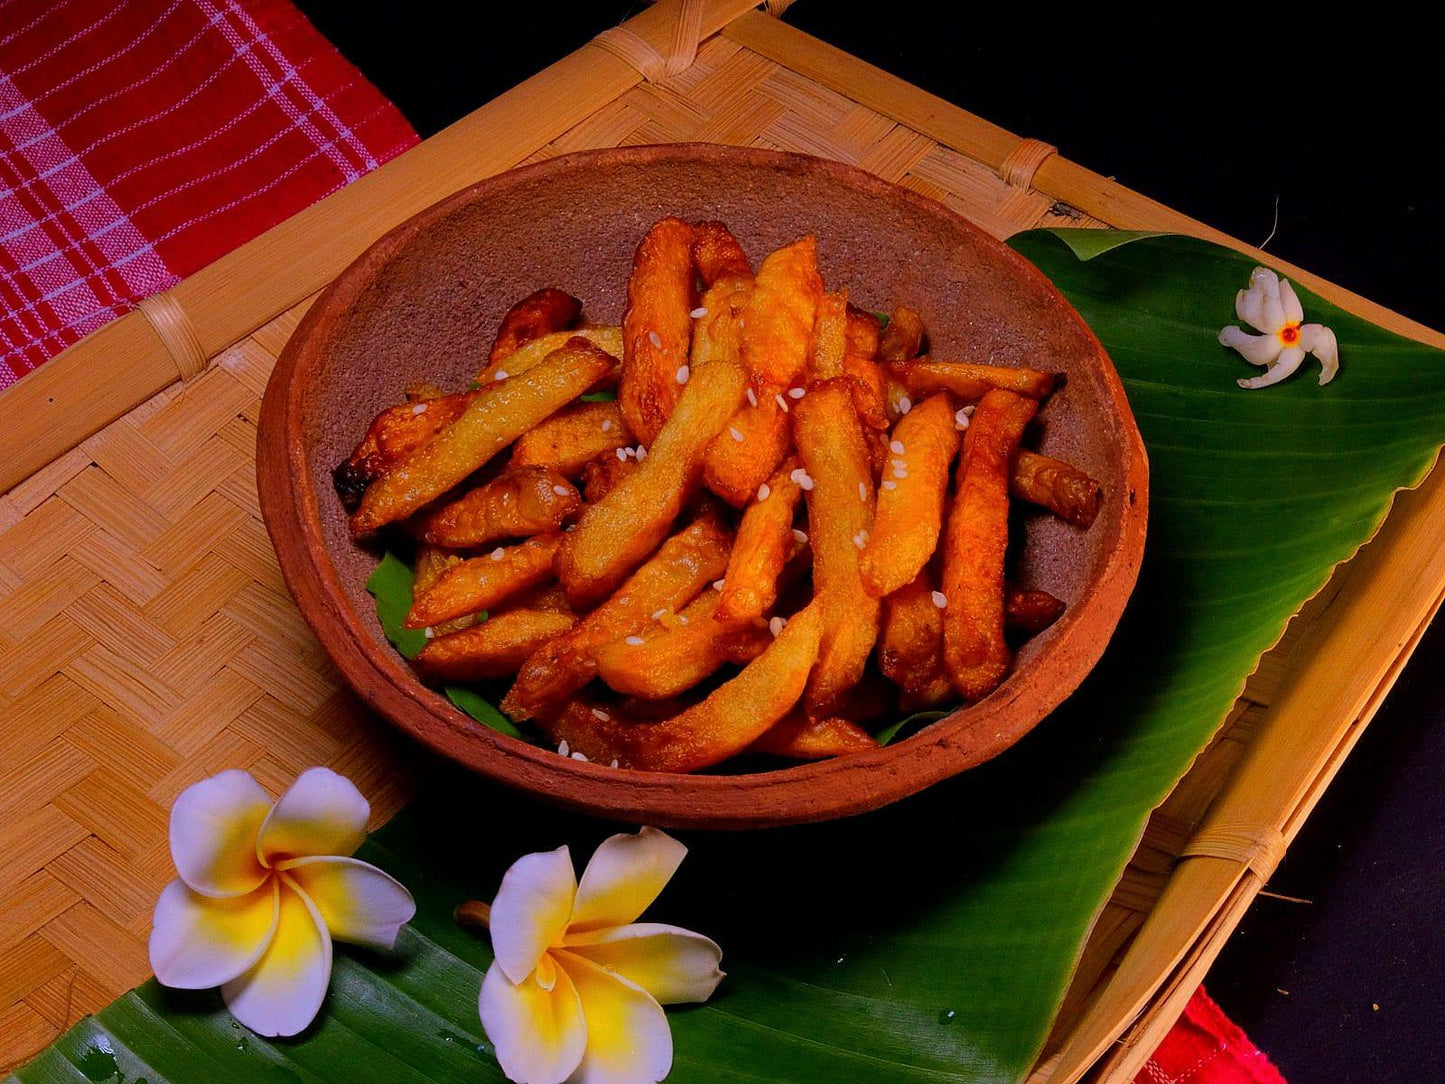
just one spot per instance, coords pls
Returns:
(146, 637)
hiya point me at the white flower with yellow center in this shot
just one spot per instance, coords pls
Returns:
(576, 991)
(263, 889)
(1271, 308)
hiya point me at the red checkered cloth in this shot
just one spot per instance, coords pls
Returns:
(141, 139)
(1206, 1047)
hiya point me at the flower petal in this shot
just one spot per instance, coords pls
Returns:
(625, 875)
(539, 1035)
(282, 992)
(358, 902)
(628, 1039)
(531, 910)
(672, 964)
(1260, 306)
(198, 942)
(214, 824)
(1255, 349)
(1320, 341)
(322, 813)
(1289, 361)
(1294, 312)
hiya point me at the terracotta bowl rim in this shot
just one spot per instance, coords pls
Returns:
(815, 791)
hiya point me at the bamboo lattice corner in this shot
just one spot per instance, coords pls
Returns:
(147, 639)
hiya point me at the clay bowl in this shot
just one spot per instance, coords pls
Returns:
(424, 302)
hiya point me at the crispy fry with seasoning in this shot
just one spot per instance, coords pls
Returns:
(910, 498)
(394, 433)
(530, 355)
(431, 562)
(840, 513)
(542, 313)
(717, 255)
(617, 534)
(479, 583)
(489, 423)
(663, 661)
(571, 438)
(519, 502)
(903, 338)
(749, 448)
(716, 333)
(830, 337)
(798, 737)
(969, 382)
(493, 648)
(975, 656)
(778, 324)
(910, 651)
(765, 542)
(863, 331)
(1064, 490)
(1031, 611)
(657, 329)
(601, 475)
(681, 567)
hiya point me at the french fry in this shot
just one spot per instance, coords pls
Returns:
(680, 568)
(548, 596)
(717, 334)
(830, 337)
(910, 497)
(910, 652)
(975, 656)
(778, 325)
(840, 513)
(431, 562)
(937, 692)
(494, 648)
(863, 332)
(903, 338)
(601, 475)
(765, 542)
(717, 255)
(1031, 611)
(519, 502)
(969, 382)
(489, 423)
(392, 434)
(673, 660)
(749, 448)
(657, 328)
(797, 737)
(530, 355)
(572, 437)
(870, 391)
(617, 534)
(1064, 490)
(546, 311)
(479, 583)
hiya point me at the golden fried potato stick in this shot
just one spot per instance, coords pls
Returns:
(392, 434)
(681, 567)
(1031, 611)
(910, 651)
(532, 354)
(1064, 490)
(863, 332)
(778, 325)
(749, 448)
(673, 659)
(520, 501)
(716, 333)
(572, 437)
(830, 337)
(910, 497)
(491, 421)
(726, 722)
(716, 253)
(657, 329)
(969, 382)
(840, 514)
(431, 562)
(619, 532)
(546, 311)
(601, 475)
(975, 656)
(870, 391)
(798, 737)
(494, 648)
(479, 583)
(903, 338)
(765, 542)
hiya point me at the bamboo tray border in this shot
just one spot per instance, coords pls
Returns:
(1340, 670)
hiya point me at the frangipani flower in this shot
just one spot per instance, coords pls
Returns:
(263, 889)
(576, 990)
(1271, 307)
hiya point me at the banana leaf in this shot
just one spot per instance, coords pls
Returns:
(931, 941)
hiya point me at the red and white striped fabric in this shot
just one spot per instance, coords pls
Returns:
(141, 139)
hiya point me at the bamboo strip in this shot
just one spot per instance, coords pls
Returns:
(125, 363)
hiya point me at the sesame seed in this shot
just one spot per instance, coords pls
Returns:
(718, 584)
(655, 339)
(940, 599)
(796, 393)
(625, 600)
(800, 536)
(899, 472)
(658, 613)
(601, 714)
(563, 749)
(896, 447)
(683, 372)
(969, 409)
(634, 641)
(775, 625)
(682, 619)
(805, 483)
(502, 374)
(735, 433)
(901, 464)
(498, 553)
(606, 425)
(622, 455)
(641, 453)
(698, 313)
(763, 492)
(752, 397)
(801, 478)
(429, 632)
(860, 539)
(420, 408)
(862, 491)
(778, 398)
(561, 491)
(890, 484)
(905, 404)
(579, 756)
(614, 763)
(742, 322)
(960, 420)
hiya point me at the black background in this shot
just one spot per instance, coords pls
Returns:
(1322, 135)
